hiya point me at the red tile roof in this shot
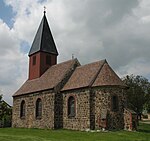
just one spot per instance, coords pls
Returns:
(50, 79)
(92, 75)
(83, 76)
(107, 77)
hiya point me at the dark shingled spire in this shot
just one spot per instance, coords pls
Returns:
(43, 40)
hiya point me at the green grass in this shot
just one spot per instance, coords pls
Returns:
(20, 134)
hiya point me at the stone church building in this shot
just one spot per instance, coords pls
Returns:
(67, 95)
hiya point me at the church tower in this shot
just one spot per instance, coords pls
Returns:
(43, 53)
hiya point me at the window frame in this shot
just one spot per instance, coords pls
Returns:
(38, 109)
(22, 109)
(71, 107)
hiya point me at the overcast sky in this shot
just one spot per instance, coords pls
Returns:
(116, 30)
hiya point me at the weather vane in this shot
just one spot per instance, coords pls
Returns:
(44, 9)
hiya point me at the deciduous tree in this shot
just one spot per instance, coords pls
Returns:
(138, 94)
(5, 113)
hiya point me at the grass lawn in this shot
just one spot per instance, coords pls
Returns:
(20, 134)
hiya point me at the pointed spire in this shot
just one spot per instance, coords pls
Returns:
(43, 40)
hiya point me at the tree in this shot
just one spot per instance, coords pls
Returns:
(5, 113)
(138, 93)
(147, 105)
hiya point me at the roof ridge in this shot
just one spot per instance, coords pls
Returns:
(92, 63)
(101, 66)
(85, 74)
(66, 61)
(107, 77)
(73, 62)
(70, 70)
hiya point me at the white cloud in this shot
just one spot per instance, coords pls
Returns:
(117, 30)
(11, 62)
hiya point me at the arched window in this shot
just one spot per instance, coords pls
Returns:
(115, 103)
(71, 106)
(38, 108)
(22, 109)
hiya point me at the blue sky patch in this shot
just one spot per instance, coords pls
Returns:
(6, 14)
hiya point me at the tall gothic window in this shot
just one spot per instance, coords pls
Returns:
(115, 103)
(22, 109)
(38, 108)
(71, 106)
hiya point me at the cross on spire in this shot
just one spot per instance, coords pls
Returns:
(44, 9)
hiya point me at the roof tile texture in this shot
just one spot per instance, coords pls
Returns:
(107, 77)
(83, 75)
(48, 80)
(90, 75)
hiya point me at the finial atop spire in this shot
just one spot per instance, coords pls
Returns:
(72, 56)
(44, 9)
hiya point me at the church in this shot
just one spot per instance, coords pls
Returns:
(67, 95)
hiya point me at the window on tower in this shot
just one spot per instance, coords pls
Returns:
(48, 60)
(34, 60)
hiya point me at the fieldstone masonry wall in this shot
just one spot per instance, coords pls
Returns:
(81, 120)
(58, 111)
(93, 106)
(30, 121)
(94, 109)
(103, 105)
(130, 118)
